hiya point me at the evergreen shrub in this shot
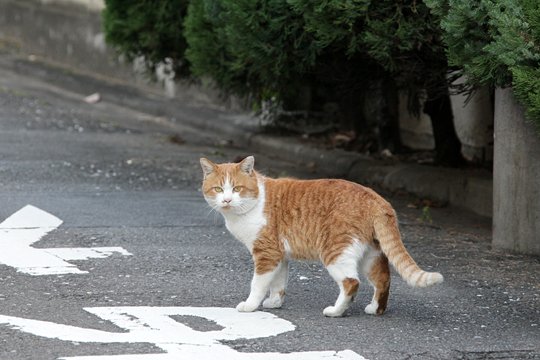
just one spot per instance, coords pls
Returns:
(266, 46)
(249, 47)
(149, 29)
(495, 43)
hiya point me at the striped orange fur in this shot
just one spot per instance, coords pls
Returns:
(349, 227)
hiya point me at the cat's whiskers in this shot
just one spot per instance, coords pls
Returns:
(242, 207)
(213, 208)
(214, 211)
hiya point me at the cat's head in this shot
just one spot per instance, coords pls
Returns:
(230, 187)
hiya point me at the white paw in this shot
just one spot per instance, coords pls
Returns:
(245, 307)
(273, 302)
(332, 311)
(371, 309)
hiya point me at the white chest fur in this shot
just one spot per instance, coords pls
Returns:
(246, 227)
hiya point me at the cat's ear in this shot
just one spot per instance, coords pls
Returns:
(208, 167)
(247, 164)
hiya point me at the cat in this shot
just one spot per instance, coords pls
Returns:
(349, 227)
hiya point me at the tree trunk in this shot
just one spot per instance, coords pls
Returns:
(389, 134)
(447, 144)
(350, 104)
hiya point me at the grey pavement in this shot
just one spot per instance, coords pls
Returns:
(119, 175)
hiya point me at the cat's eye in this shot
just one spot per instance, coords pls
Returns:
(237, 188)
(218, 189)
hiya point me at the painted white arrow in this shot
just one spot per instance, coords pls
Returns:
(29, 225)
(154, 325)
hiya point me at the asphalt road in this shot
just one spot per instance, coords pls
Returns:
(126, 180)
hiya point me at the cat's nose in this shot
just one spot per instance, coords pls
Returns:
(227, 200)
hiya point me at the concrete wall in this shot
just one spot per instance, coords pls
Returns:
(70, 33)
(516, 178)
(64, 33)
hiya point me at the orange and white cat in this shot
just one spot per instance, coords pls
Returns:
(350, 228)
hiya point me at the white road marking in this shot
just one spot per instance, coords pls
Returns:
(154, 325)
(29, 225)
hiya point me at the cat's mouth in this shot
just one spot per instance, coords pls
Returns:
(230, 209)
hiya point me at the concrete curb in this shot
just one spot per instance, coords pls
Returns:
(469, 189)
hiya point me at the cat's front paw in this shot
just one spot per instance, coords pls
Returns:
(332, 311)
(245, 307)
(272, 302)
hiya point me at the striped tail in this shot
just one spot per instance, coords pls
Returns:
(387, 233)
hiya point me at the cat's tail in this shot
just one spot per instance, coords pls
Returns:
(387, 233)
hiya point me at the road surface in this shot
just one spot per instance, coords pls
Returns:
(143, 266)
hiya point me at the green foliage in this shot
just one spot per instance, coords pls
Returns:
(402, 37)
(405, 38)
(255, 47)
(207, 50)
(526, 75)
(268, 47)
(148, 28)
(485, 38)
(467, 30)
(495, 43)
(334, 24)
(526, 87)
(426, 215)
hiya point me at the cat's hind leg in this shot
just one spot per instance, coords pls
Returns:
(376, 269)
(344, 270)
(277, 287)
